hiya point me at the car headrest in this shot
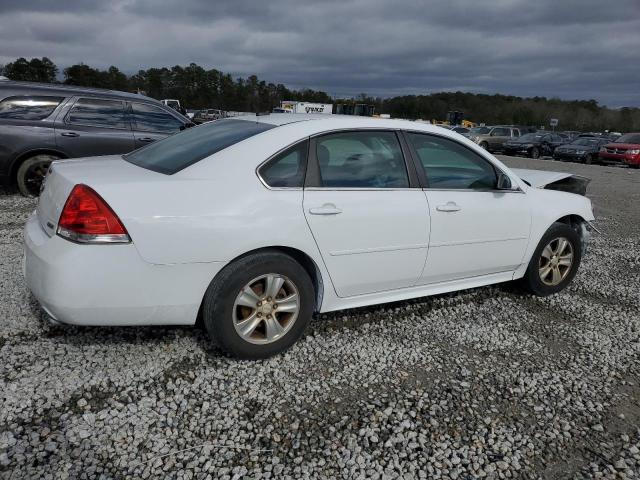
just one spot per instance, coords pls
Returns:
(323, 155)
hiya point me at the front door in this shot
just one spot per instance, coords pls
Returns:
(475, 229)
(94, 126)
(498, 137)
(371, 227)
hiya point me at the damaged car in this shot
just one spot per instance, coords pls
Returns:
(253, 224)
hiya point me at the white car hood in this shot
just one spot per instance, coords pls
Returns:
(539, 178)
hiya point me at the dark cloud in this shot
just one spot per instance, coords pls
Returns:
(570, 49)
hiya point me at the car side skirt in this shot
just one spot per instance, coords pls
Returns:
(332, 304)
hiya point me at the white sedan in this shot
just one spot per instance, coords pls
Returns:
(255, 223)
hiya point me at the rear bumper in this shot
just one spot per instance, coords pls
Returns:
(110, 284)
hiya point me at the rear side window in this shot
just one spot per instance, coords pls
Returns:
(28, 107)
(361, 160)
(287, 169)
(149, 118)
(98, 113)
(174, 153)
(449, 165)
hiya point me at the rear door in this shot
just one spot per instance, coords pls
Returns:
(94, 126)
(369, 220)
(151, 123)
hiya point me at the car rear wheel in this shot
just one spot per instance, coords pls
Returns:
(259, 305)
(31, 173)
(588, 159)
(555, 261)
(535, 153)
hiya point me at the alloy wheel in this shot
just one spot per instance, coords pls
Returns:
(555, 262)
(266, 308)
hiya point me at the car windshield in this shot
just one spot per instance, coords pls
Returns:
(629, 138)
(530, 137)
(479, 130)
(178, 151)
(585, 141)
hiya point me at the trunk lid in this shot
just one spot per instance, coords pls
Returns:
(63, 175)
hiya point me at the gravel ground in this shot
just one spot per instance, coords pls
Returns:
(486, 383)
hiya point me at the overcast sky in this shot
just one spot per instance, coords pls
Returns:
(566, 48)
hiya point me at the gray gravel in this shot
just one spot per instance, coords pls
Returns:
(486, 383)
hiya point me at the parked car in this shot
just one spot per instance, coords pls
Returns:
(40, 123)
(259, 221)
(203, 116)
(572, 134)
(583, 149)
(494, 138)
(461, 130)
(534, 145)
(625, 149)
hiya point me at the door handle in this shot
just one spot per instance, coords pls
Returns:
(70, 134)
(448, 207)
(326, 209)
(146, 139)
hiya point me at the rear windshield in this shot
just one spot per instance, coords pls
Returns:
(178, 151)
(629, 138)
(28, 108)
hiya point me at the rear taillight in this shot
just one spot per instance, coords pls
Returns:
(86, 218)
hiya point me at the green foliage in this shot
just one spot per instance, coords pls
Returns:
(197, 88)
(34, 70)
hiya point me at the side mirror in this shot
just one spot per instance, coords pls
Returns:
(504, 182)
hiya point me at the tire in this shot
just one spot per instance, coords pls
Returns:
(31, 173)
(588, 159)
(221, 312)
(484, 145)
(535, 153)
(634, 165)
(542, 285)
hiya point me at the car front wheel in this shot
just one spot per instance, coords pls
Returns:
(259, 305)
(555, 261)
(535, 153)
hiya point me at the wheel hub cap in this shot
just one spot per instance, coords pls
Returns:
(556, 261)
(266, 308)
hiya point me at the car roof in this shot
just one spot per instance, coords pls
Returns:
(60, 89)
(323, 122)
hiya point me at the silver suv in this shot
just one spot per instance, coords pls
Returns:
(493, 138)
(40, 123)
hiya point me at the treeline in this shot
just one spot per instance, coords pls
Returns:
(197, 87)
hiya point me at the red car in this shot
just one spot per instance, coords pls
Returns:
(625, 149)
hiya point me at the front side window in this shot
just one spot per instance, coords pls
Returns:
(500, 132)
(149, 118)
(287, 169)
(28, 107)
(449, 165)
(173, 153)
(98, 113)
(361, 160)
